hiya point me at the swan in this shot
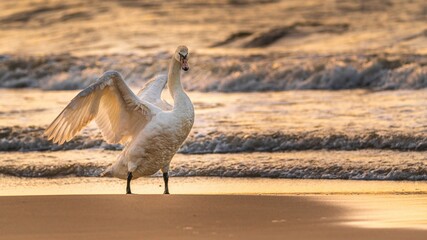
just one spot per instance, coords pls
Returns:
(150, 129)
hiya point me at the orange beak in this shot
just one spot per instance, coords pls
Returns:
(184, 64)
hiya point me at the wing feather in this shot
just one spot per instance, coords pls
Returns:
(118, 112)
(152, 92)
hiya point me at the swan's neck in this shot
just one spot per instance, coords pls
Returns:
(180, 98)
(174, 78)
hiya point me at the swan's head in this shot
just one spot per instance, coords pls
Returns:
(181, 55)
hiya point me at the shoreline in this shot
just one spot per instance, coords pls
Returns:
(17, 186)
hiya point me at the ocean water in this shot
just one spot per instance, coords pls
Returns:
(282, 89)
(351, 134)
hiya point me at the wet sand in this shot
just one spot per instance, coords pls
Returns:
(19, 186)
(183, 217)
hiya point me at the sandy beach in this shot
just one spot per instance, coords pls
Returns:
(184, 217)
(212, 208)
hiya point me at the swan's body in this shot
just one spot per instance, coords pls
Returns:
(151, 129)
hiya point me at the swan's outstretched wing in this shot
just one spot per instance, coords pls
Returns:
(152, 92)
(117, 111)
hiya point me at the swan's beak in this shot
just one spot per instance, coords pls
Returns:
(184, 64)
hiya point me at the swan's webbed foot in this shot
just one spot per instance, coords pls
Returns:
(128, 191)
(166, 180)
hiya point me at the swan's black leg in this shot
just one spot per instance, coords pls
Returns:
(128, 183)
(166, 179)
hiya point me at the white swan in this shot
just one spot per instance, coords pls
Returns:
(151, 129)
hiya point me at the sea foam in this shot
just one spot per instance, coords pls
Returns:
(355, 165)
(223, 73)
(32, 139)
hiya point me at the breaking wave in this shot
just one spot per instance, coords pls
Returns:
(68, 170)
(32, 139)
(368, 165)
(223, 73)
(276, 142)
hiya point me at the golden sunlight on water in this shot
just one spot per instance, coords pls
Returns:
(101, 27)
(354, 111)
(212, 185)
